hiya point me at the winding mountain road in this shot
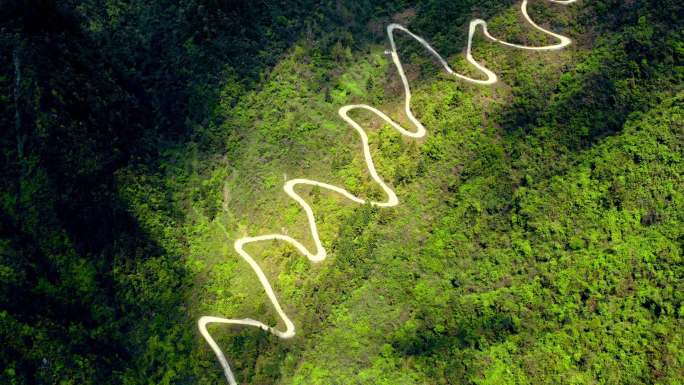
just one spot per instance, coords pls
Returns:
(319, 253)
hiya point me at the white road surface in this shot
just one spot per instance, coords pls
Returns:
(319, 253)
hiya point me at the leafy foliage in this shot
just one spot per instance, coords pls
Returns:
(539, 237)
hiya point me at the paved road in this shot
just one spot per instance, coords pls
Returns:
(319, 253)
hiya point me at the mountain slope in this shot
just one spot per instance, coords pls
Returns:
(538, 239)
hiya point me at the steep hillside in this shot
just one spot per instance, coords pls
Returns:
(539, 236)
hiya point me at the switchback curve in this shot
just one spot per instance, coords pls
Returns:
(319, 253)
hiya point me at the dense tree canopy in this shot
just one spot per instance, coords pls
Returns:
(539, 239)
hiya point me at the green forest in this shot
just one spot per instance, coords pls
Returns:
(539, 237)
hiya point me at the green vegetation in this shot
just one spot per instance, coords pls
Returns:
(539, 239)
